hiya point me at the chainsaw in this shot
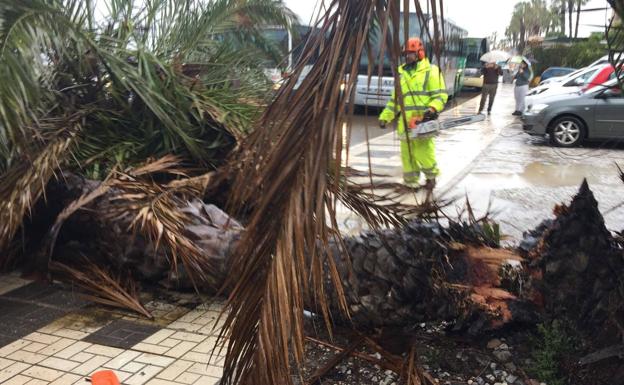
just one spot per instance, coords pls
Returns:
(430, 126)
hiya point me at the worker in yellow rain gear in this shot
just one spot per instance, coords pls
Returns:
(424, 96)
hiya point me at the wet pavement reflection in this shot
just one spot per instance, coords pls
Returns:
(497, 166)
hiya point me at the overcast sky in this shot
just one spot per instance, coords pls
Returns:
(480, 17)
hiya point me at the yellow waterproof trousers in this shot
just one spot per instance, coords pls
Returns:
(418, 156)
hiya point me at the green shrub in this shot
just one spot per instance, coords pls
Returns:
(552, 344)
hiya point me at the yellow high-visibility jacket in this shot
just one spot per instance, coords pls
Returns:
(422, 87)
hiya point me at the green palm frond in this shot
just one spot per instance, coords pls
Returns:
(148, 79)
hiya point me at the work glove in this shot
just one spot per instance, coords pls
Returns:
(430, 114)
(382, 124)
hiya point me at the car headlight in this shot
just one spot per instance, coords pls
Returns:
(537, 108)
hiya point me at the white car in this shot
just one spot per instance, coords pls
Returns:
(557, 79)
(570, 84)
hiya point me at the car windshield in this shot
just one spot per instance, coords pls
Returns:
(608, 84)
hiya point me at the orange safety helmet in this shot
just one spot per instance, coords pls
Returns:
(415, 45)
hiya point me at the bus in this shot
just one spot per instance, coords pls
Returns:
(368, 91)
(289, 45)
(474, 48)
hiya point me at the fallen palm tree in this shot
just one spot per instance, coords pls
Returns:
(285, 181)
(90, 94)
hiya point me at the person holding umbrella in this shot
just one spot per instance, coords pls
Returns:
(490, 71)
(522, 78)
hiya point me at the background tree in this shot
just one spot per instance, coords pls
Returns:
(532, 18)
(579, 4)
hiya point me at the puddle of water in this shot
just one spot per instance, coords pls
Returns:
(558, 175)
(534, 174)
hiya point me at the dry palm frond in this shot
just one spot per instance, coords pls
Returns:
(24, 183)
(156, 211)
(68, 211)
(289, 171)
(105, 288)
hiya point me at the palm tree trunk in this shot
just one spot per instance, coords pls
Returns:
(570, 12)
(578, 17)
(396, 277)
(523, 37)
(562, 17)
(391, 278)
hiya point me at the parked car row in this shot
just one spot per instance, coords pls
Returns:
(580, 80)
(569, 119)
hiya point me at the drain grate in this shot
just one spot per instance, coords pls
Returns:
(122, 334)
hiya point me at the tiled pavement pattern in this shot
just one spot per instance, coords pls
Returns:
(174, 349)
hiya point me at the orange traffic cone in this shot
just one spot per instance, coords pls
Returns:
(104, 377)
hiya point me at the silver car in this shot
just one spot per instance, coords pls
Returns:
(571, 119)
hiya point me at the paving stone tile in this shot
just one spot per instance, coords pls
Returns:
(204, 358)
(148, 348)
(169, 342)
(188, 378)
(57, 346)
(73, 349)
(45, 339)
(207, 380)
(122, 359)
(70, 333)
(209, 345)
(209, 330)
(13, 347)
(27, 357)
(122, 334)
(89, 366)
(4, 363)
(133, 367)
(17, 380)
(206, 370)
(159, 336)
(180, 349)
(82, 357)
(143, 376)
(191, 337)
(59, 363)
(154, 359)
(66, 379)
(36, 381)
(104, 351)
(12, 370)
(191, 316)
(174, 370)
(78, 321)
(42, 373)
(184, 326)
(157, 381)
(34, 347)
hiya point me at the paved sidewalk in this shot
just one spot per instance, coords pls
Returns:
(456, 150)
(49, 335)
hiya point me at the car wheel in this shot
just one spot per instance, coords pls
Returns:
(567, 131)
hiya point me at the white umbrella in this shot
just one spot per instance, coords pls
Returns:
(495, 56)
